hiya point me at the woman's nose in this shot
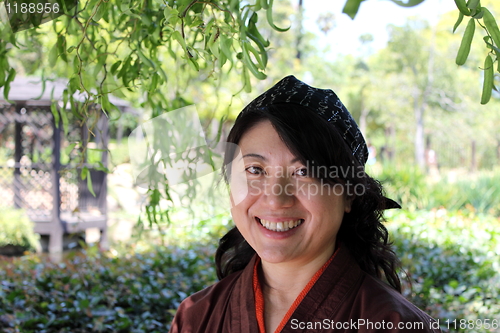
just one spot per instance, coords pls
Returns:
(279, 192)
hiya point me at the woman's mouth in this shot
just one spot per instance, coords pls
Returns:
(280, 226)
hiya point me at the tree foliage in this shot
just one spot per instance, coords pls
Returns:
(478, 15)
(115, 46)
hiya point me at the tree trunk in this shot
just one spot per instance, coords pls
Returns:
(420, 104)
(419, 134)
(362, 120)
(299, 26)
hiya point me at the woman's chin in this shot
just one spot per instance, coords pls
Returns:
(275, 255)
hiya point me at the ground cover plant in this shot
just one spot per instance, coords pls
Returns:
(90, 291)
(458, 190)
(18, 235)
(451, 260)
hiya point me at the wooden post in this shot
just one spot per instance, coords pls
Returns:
(18, 152)
(56, 232)
(103, 200)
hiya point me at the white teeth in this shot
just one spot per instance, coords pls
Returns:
(280, 226)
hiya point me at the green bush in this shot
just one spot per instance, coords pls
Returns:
(17, 229)
(414, 190)
(90, 291)
(451, 260)
(452, 263)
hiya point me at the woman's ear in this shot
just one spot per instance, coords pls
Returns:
(348, 203)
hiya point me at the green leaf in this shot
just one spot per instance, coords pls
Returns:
(171, 15)
(257, 55)
(61, 47)
(74, 83)
(487, 80)
(115, 66)
(472, 4)
(462, 7)
(65, 121)
(100, 65)
(351, 8)
(270, 19)
(491, 25)
(103, 7)
(6, 89)
(254, 32)
(408, 3)
(55, 113)
(194, 64)
(246, 80)
(459, 21)
(154, 82)
(488, 41)
(65, 97)
(464, 49)
(498, 60)
(146, 61)
(53, 54)
(479, 15)
(125, 6)
(177, 36)
(262, 52)
(84, 173)
(69, 148)
(226, 44)
(247, 61)
(89, 184)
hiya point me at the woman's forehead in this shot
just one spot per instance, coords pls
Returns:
(263, 141)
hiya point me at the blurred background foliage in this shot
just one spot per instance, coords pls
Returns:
(437, 152)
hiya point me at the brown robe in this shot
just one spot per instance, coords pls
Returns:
(339, 301)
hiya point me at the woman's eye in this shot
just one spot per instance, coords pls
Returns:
(254, 170)
(302, 172)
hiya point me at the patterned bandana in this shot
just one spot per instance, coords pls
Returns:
(325, 103)
(322, 101)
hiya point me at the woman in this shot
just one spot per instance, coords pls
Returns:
(309, 252)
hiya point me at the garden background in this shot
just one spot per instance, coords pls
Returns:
(435, 148)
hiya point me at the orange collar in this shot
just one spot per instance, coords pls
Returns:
(259, 297)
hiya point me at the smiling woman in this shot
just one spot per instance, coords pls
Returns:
(309, 251)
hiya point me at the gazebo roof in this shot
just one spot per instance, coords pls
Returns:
(29, 91)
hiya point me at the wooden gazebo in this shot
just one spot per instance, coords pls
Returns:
(40, 166)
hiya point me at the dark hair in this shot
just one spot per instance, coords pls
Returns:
(316, 142)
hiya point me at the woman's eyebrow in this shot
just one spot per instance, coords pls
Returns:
(265, 159)
(255, 156)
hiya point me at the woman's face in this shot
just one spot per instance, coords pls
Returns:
(282, 213)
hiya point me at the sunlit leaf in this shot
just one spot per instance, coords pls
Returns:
(491, 25)
(351, 8)
(462, 7)
(489, 72)
(464, 50)
(459, 21)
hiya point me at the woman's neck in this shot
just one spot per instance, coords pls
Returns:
(281, 284)
(290, 277)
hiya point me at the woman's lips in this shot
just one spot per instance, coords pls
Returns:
(280, 226)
